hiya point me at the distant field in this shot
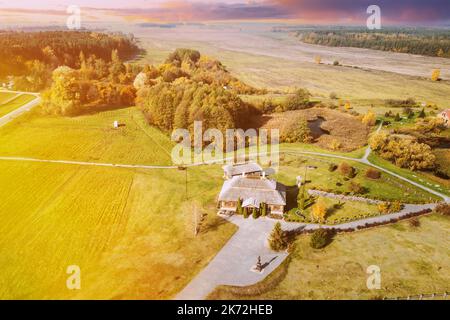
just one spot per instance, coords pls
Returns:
(14, 104)
(87, 138)
(412, 261)
(274, 61)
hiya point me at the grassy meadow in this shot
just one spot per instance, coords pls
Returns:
(130, 230)
(87, 138)
(5, 96)
(14, 104)
(412, 260)
(386, 188)
(362, 87)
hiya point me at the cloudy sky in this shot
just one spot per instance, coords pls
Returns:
(429, 12)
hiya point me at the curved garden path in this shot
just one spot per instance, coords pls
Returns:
(233, 263)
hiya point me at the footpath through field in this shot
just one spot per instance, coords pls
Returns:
(19, 111)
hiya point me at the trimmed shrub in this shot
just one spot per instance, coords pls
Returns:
(443, 209)
(321, 238)
(373, 174)
(263, 209)
(239, 207)
(347, 170)
(356, 188)
(255, 214)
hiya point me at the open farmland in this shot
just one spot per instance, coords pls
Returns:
(129, 230)
(13, 104)
(86, 138)
(276, 61)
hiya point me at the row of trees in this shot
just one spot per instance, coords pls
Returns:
(428, 42)
(280, 240)
(405, 153)
(20, 50)
(177, 105)
(262, 211)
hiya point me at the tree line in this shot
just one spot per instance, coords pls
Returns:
(30, 57)
(427, 42)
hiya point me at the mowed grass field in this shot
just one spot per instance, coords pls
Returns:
(412, 261)
(131, 231)
(86, 138)
(5, 96)
(8, 107)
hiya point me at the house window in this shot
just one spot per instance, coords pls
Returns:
(229, 204)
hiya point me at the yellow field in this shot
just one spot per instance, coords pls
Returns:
(86, 138)
(130, 230)
(14, 104)
(258, 68)
(4, 96)
(126, 229)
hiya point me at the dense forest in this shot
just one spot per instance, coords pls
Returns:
(36, 54)
(427, 42)
(190, 87)
(94, 86)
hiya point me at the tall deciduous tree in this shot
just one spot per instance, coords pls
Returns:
(319, 211)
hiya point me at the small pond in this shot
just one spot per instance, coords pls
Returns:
(316, 127)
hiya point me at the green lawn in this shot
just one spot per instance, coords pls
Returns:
(386, 188)
(14, 104)
(338, 212)
(304, 147)
(411, 260)
(87, 138)
(414, 176)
